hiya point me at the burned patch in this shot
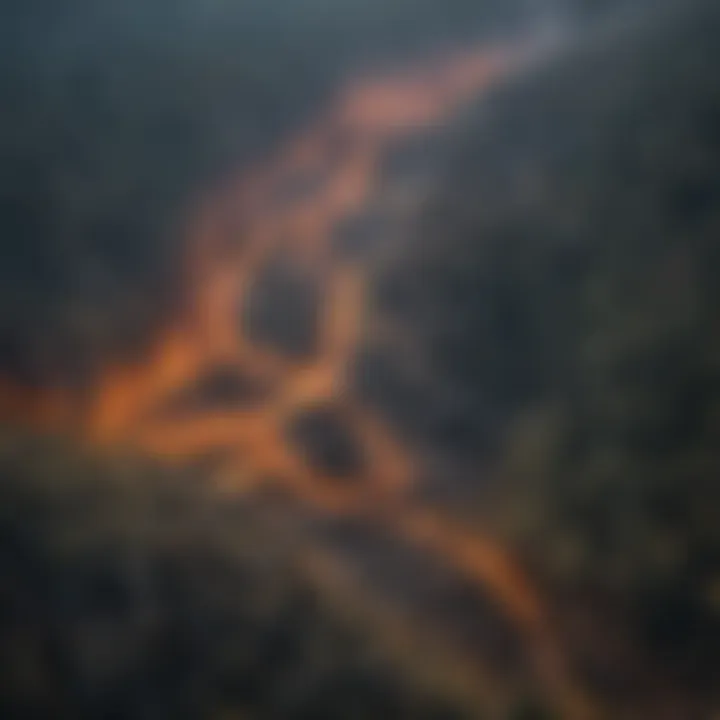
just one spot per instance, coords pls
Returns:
(222, 388)
(326, 441)
(360, 237)
(282, 310)
(380, 380)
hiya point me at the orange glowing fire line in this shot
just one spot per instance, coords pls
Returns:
(365, 119)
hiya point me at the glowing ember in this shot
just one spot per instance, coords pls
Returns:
(293, 207)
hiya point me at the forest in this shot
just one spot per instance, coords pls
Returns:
(556, 386)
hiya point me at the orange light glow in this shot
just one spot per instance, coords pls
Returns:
(339, 160)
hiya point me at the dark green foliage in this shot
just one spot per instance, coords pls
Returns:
(116, 115)
(130, 592)
(563, 287)
(567, 285)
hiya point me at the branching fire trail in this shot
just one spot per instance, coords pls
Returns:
(291, 208)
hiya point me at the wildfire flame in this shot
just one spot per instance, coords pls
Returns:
(336, 163)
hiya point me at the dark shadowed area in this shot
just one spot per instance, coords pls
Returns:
(360, 360)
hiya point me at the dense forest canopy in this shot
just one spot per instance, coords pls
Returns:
(116, 115)
(558, 387)
(565, 286)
